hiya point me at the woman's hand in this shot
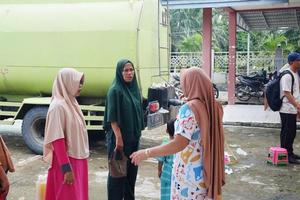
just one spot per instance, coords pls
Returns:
(138, 156)
(119, 143)
(69, 178)
(118, 135)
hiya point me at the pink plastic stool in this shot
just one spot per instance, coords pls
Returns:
(277, 156)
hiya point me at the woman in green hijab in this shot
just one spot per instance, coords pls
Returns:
(123, 122)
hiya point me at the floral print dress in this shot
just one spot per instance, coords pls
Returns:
(187, 174)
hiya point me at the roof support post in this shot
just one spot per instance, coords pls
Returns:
(248, 54)
(207, 41)
(232, 57)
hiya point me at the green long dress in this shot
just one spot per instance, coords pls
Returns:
(124, 106)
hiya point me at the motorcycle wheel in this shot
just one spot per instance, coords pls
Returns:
(243, 93)
(216, 91)
(261, 98)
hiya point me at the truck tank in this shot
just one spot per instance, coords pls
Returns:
(37, 39)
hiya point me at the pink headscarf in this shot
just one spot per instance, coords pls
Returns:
(197, 88)
(65, 118)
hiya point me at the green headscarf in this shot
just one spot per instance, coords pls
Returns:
(124, 106)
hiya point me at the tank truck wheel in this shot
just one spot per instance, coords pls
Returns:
(33, 128)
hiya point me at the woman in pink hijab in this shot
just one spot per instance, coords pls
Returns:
(66, 146)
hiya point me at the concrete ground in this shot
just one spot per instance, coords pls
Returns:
(252, 178)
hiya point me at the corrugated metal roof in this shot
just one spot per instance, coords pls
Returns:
(252, 14)
(178, 4)
(271, 19)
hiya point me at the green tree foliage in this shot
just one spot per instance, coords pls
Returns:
(184, 24)
(191, 44)
(293, 38)
(268, 41)
(186, 31)
(220, 30)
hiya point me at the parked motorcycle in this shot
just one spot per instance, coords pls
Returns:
(251, 86)
(176, 78)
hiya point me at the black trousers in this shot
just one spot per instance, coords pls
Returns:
(288, 131)
(122, 188)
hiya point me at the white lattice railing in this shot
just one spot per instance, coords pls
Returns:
(181, 60)
(257, 60)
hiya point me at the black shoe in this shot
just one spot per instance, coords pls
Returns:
(293, 160)
(295, 156)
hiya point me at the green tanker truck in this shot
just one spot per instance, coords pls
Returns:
(38, 37)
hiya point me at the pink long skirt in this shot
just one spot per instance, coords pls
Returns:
(57, 190)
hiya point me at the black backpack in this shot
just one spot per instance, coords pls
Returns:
(273, 91)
